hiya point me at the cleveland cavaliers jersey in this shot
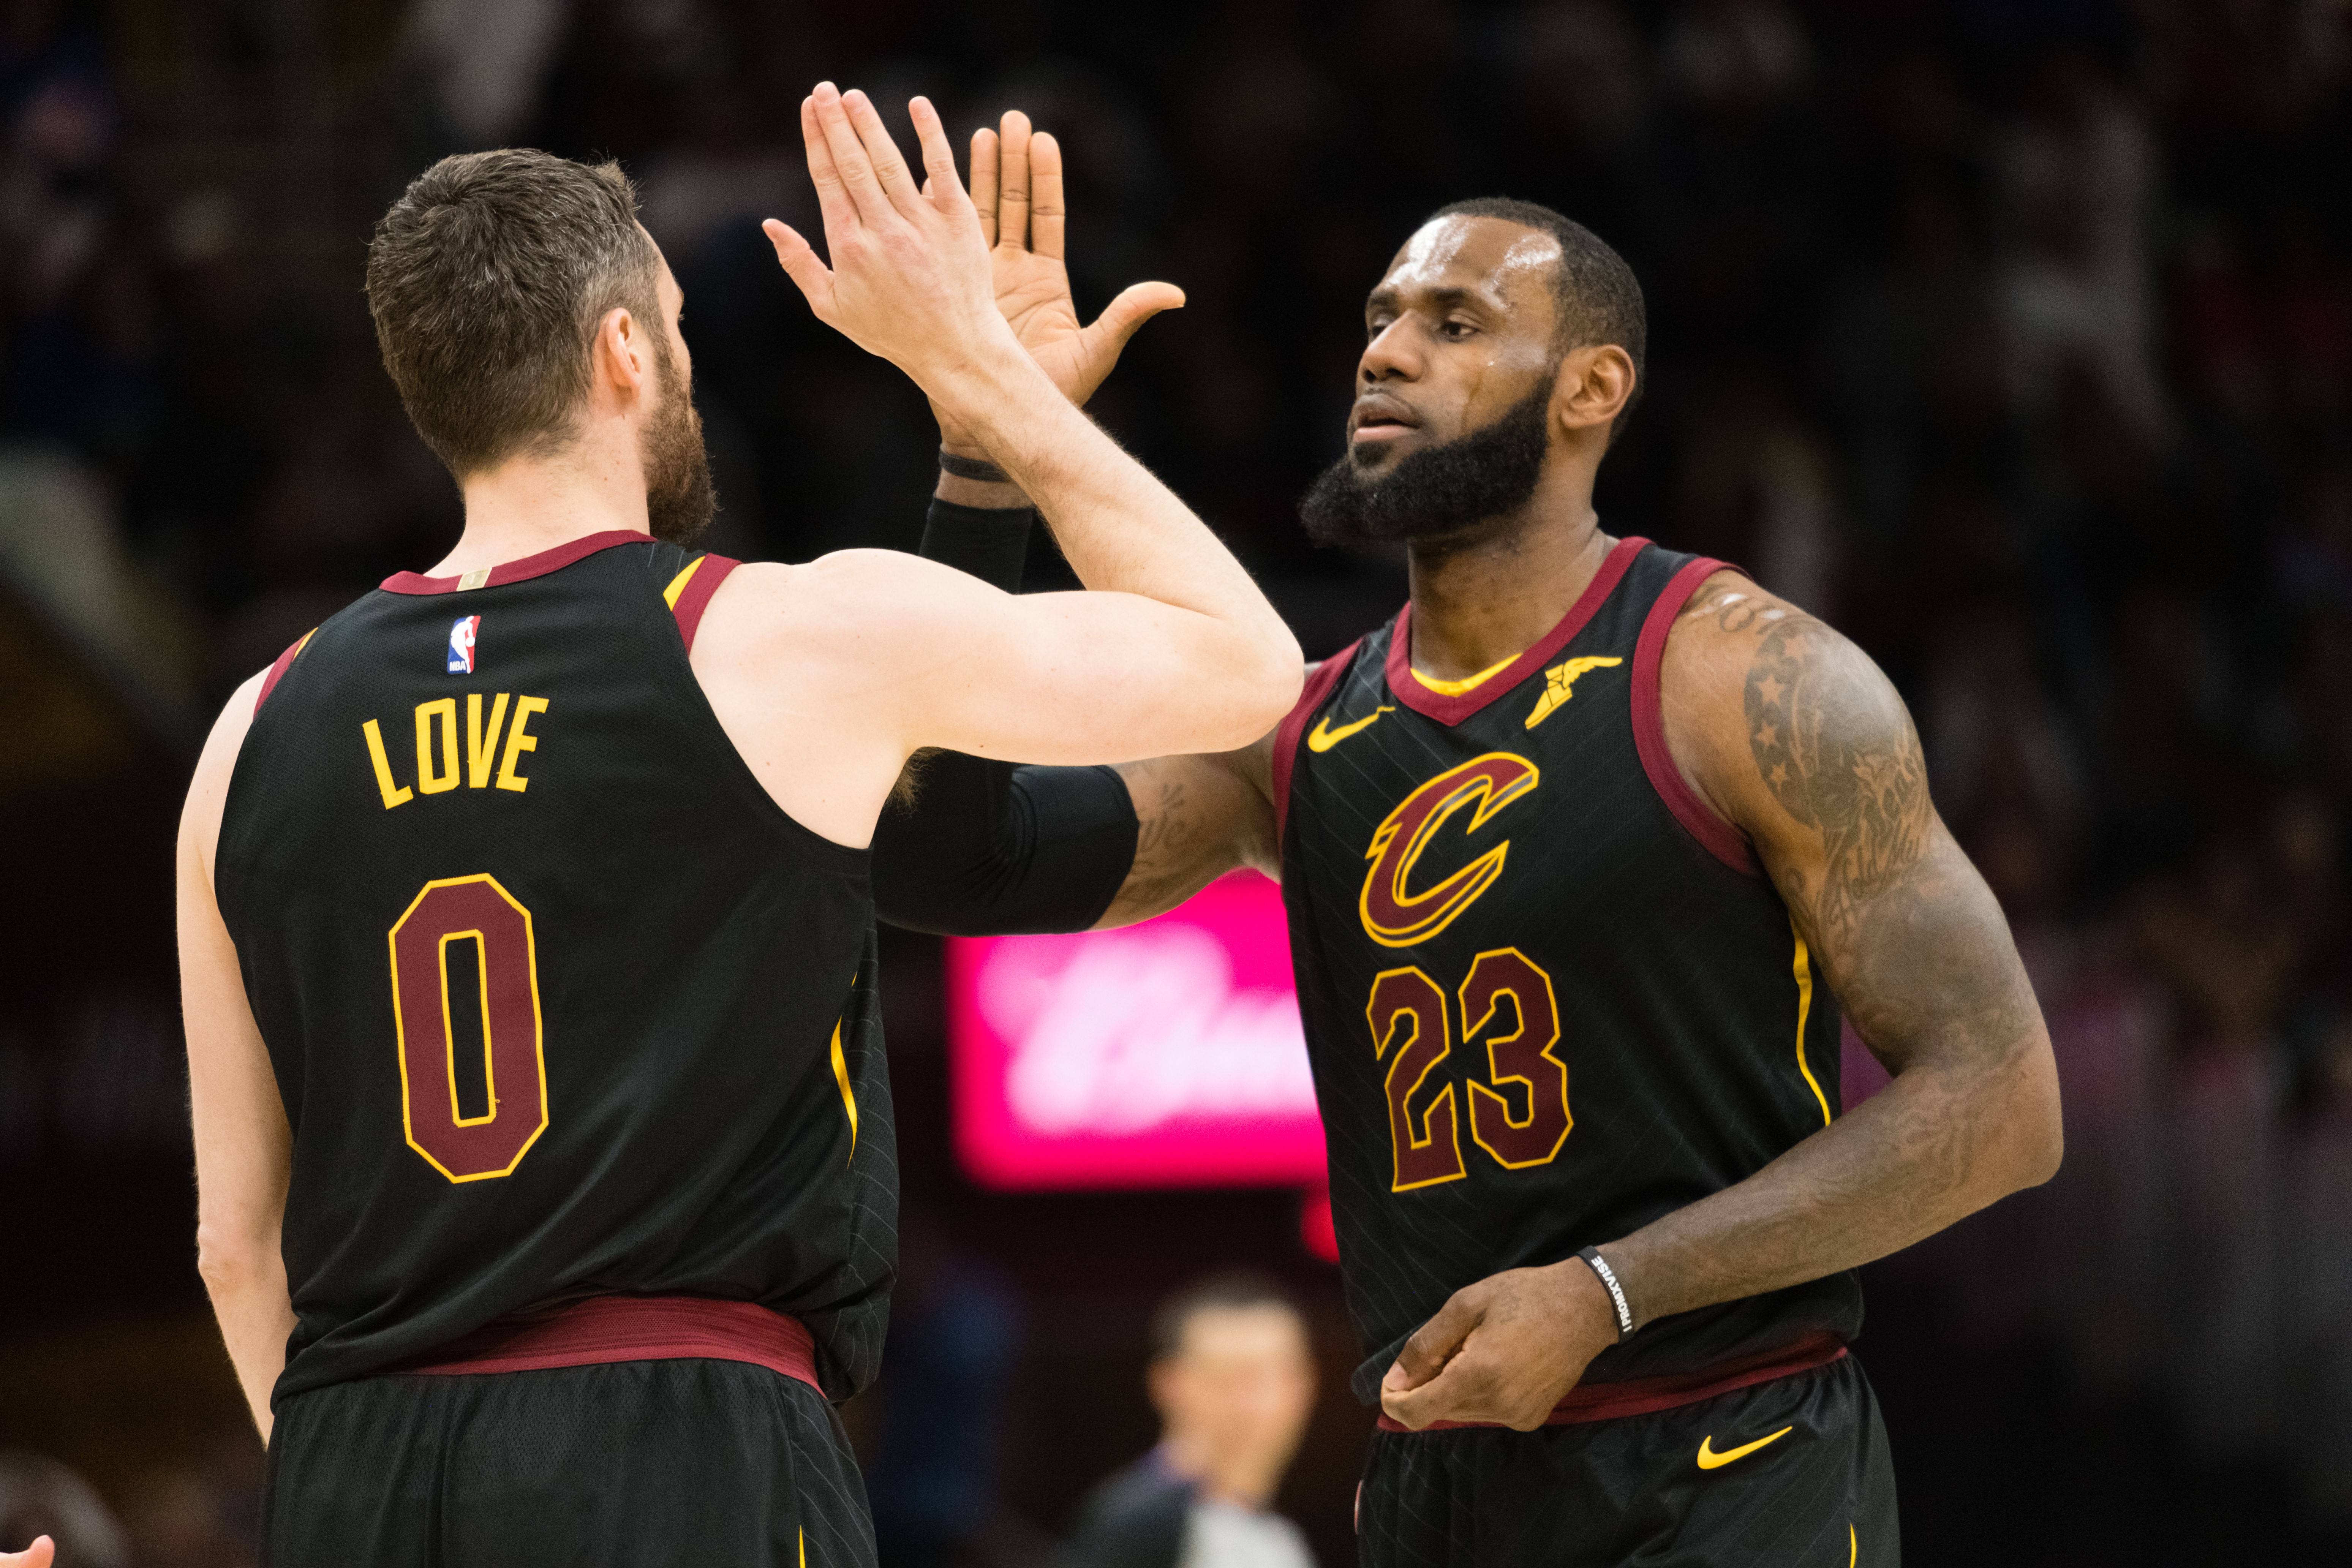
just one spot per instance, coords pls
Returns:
(1548, 996)
(560, 1003)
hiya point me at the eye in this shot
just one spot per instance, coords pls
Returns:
(1455, 332)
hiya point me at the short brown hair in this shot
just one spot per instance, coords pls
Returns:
(1230, 1290)
(486, 279)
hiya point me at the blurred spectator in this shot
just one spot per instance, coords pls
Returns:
(1233, 1382)
(40, 1497)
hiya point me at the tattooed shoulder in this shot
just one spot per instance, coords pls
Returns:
(1832, 742)
(1826, 738)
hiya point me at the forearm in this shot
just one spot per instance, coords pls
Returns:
(247, 1282)
(973, 847)
(1119, 527)
(1937, 1144)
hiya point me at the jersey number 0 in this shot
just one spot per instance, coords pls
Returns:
(465, 974)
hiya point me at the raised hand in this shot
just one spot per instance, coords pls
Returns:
(1016, 189)
(909, 279)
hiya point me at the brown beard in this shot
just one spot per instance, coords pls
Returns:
(680, 500)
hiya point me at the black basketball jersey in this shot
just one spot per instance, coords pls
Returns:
(1549, 997)
(559, 1002)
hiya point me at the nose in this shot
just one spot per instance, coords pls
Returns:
(1394, 354)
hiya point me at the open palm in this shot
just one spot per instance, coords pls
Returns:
(1016, 185)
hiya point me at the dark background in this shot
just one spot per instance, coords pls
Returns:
(2013, 336)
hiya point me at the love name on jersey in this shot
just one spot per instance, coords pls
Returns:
(440, 765)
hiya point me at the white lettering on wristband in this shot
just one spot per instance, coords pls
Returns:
(1608, 1277)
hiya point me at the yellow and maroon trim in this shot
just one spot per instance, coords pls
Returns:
(1320, 682)
(599, 1329)
(688, 593)
(505, 572)
(1643, 1395)
(278, 671)
(1719, 838)
(1450, 708)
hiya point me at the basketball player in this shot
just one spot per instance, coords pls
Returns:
(1584, 853)
(546, 1175)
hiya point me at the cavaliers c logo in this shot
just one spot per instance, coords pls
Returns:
(1393, 915)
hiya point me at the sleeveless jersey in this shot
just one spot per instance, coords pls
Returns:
(559, 1002)
(1547, 995)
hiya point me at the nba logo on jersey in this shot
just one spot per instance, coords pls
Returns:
(461, 644)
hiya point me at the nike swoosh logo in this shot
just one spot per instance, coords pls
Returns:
(1324, 737)
(1708, 1460)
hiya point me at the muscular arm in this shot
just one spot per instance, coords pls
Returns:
(1790, 734)
(1795, 737)
(244, 1147)
(1197, 817)
(973, 847)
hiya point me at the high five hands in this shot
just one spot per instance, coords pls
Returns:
(1016, 187)
(903, 274)
(910, 278)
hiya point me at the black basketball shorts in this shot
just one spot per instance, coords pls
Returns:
(1792, 1473)
(636, 1464)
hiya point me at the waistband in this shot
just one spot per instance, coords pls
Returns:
(1642, 1396)
(596, 1329)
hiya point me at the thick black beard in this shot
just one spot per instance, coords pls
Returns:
(1439, 489)
(680, 498)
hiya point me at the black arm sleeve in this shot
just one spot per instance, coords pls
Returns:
(986, 848)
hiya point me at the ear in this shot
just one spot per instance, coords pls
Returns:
(1593, 386)
(620, 357)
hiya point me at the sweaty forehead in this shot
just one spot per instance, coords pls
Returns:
(1504, 263)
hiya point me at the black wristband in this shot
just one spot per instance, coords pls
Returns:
(989, 542)
(1608, 1277)
(976, 468)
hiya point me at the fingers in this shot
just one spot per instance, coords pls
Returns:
(941, 186)
(850, 158)
(36, 1555)
(1012, 182)
(891, 171)
(833, 199)
(1438, 1341)
(1136, 304)
(801, 264)
(1045, 209)
(1415, 1408)
(983, 181)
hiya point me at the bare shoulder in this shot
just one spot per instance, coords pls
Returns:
(853, 606)
(1792, 732)
(200, 817)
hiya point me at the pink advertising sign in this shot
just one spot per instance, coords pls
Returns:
(1166, 1054)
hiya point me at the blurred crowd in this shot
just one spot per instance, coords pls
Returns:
(2013, 336)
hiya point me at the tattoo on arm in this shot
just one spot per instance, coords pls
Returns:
(1195, 820)
(1913, 940)
(1840, 754)
(1168, 832)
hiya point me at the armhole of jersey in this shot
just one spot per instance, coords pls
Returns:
(688, 593)
(278, 671)
(1294, 724)
(1719, 838)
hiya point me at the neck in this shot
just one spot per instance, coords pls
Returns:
(528, 504)
(1486, 594)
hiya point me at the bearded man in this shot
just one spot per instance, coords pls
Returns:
(1584, 852)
